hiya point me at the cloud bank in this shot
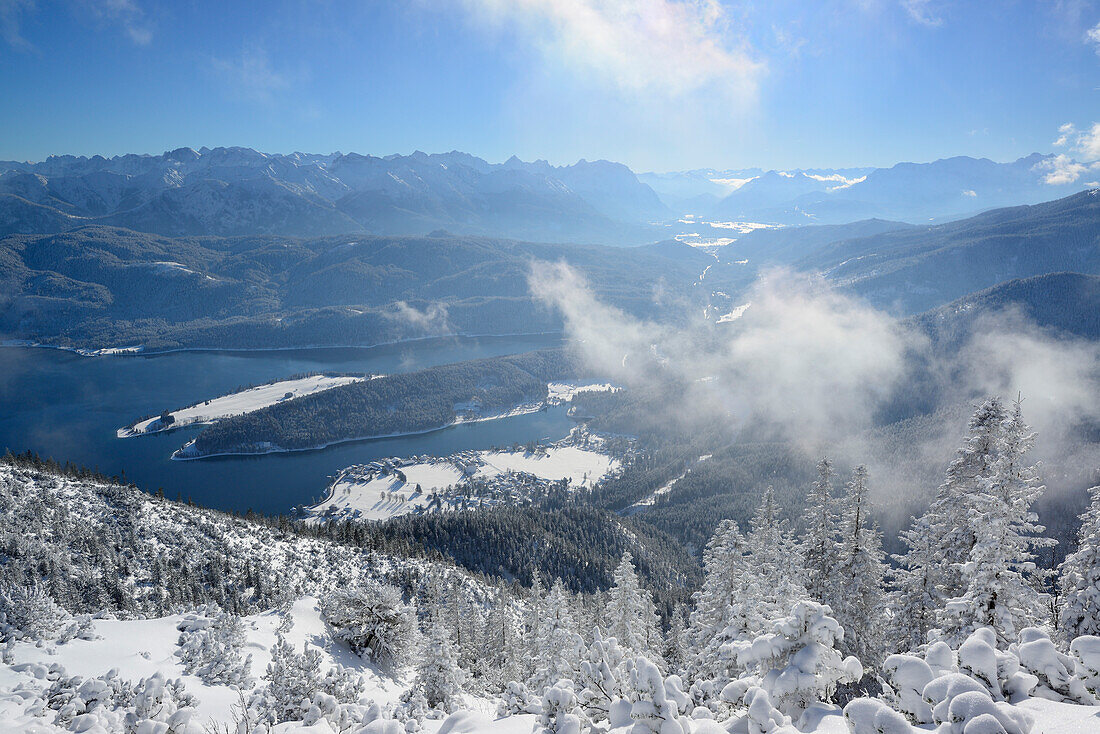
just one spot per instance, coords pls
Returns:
(814, 367)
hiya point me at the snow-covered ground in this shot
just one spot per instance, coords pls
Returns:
(379, 492)
(564, 392)
(143, 647)
(237, 403)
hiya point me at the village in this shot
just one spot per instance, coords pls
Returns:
(385, 488)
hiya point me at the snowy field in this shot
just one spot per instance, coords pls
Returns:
(132, 650)
(144, 647)
(367, 493)
(237, 403)
(564, 392)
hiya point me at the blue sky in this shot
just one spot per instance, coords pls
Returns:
(656, 84)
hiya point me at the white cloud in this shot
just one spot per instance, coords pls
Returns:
(1093, 36)
(1061, 169)
(921, 11)
(433, 319)
(1065, 132)
(1088, 143)
(970, 192)
(674, 46)
(252, 74)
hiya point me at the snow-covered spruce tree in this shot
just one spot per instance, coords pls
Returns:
(798, 663)
(210, 648)
(630, 615)
(675, 652)
(820, 547)
(914, 598)
(504, 651)
(467, 623)
(999, 571)
(375, 622)
(439, 678)
(532, 621)
(558, 648)
(948, 515)
(723, 583)
(1079, 577)
(860, 604)
(775, 566)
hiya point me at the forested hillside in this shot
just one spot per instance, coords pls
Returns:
(912, 270)
(104, 287)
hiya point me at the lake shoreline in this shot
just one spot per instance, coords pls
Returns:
(140, 351)
(522, 410)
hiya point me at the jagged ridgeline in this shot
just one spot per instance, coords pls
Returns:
(405, 403)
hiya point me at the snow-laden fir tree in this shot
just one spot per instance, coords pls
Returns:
(999, 572)
(798, 662)
(675, 640)
(467, 624)
(557, 646)
(775, 566)
(723, 583)
(504, 652)
(914, 598)
(630, 616)
(601, 680)
(948, 515)
(532, 620)
(860, 604)
(439, 679)
(820, 549)
(1079, 578)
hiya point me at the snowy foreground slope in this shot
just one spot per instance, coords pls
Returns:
(121, 612)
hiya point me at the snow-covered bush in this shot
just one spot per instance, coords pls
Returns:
(908, 675)
(1086, 661)
(1053, 670)
(798, 663)
(760, 717)
(374, 621)
(561, 713)
(657, 704)
(292, 680)
(28, 612)
(210, 648)
(516, 699)
(153, 704)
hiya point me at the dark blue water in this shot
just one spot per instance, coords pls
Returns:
(68, 407)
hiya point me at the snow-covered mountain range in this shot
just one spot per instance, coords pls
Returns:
(241, 191)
